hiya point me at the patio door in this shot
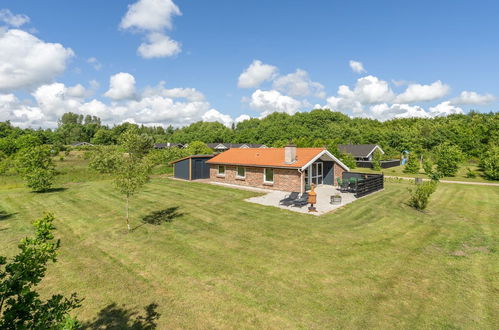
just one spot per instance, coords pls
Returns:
(317, 173)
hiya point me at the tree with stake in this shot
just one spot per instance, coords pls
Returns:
(377, 156)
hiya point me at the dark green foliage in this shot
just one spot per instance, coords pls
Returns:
(489, 162)
(447, 159)
(470, 174)
(412, 166)
(377, 156)
(420, 196)
(20, 305)
(427, 165)
(164, 156)
(36, 167)
(27, 141)
(158, 217)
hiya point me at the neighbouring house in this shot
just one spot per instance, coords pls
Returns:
(167, 145)
(363, 154)
(288, 169)
(192, 167)
(80, 144)
(219, 147)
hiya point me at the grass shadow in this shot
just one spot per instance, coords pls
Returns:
(5, 216)
(119, 317)
(166, 215)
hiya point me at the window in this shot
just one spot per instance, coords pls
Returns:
(241, 172)
(268, 175)
(221, 170)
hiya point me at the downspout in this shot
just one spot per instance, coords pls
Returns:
(301, 180)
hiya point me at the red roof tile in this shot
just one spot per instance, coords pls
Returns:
(266, 157)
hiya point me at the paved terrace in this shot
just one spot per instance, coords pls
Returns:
(272, 198)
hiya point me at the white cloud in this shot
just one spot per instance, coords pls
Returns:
(423, 93)
(153, 17)
(468, 97)
(121, 86)
(256, 74)
(77, 91)
(370, 90)
(95, 63)
(299, 84)
(26, 61)
(357, 67)
(445, 109)
(384, 111)
(7, 17)
(214, 115)
(267, 102)
(158, 45)
(190, 94)
(241, 118)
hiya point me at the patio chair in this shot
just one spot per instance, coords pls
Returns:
(352, 186)
(302, 201)
(289, 199)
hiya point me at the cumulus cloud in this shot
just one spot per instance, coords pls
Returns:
(153, 17)
(7, 17)
(270, 101)
(423, 93)
(121, 86)
(357, 67)
(299, 84)
(26, 61)
(190, 94)
(445, 109)
(214, 115)
(371, 89)
(158, 45)
(384, 111)
(256, 74)
(468, 97)
(241, 118)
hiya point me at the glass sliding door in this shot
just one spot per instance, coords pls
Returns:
(316, 173)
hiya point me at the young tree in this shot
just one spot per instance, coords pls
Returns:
(20, 305)
(420, 196)
(135, 144)
(104, 159)
(489, 162)
(412, 165)
(377, 156)
(36, 167)
(447, 159)
(131, 175)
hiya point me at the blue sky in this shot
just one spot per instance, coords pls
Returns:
(414, 58)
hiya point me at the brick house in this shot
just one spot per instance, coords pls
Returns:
(288, 169)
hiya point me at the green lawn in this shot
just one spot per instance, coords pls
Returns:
(460, 176)
(227, 263)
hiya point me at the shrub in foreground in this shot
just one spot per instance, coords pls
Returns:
(489, 163)
(36, 167)
(420, 196)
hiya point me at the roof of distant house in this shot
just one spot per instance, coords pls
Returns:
(167, 145)
(77, 144)
(359, 150)
(235, 145)
(270, 157)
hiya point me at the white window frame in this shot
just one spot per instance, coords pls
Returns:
(218, 170)
(237, 172)
(265, 175)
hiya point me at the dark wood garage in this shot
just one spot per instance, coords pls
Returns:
(192, 167)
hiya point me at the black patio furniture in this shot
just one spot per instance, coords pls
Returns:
(289, 199)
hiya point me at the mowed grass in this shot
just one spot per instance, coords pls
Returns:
(227, 263)
(460, 175)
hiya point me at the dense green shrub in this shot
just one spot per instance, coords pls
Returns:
(489, 163)
(447, 159)
(470, 174)
(412, 165)
(377, 156)
(39, 179)
(427, 165)
(420, 196)
(104, 159)
(348, 160)
(36, 167)
(198, 148)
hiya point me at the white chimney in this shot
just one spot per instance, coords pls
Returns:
(290, 154)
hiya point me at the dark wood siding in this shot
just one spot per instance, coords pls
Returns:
(181, 169)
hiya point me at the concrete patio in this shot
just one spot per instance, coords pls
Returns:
(324, 193)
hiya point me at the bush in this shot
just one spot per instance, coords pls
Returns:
(447, 159)
(470, 174)
(427, 165)
(420, 196)
(348, 160)
(377, 156)
(489, 163)
(40, 179)
(412, 165)
(104, 159)
(198, 148)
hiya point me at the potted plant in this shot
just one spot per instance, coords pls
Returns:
(336, 199)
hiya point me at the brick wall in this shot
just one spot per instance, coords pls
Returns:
(284, 179)
(338, 172)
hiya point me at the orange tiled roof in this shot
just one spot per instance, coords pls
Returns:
(267, 157)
